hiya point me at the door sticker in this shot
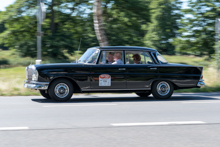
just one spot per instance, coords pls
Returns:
(104, 80)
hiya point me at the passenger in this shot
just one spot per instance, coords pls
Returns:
(110, 58)
(117, 58)
(136, 58)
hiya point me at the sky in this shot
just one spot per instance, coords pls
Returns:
(5, 3)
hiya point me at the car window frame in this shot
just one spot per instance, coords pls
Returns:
(154, 56)
(139, 51)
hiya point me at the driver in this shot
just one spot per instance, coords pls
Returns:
(110, 58)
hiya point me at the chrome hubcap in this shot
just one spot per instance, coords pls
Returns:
(61, 90)
(163, 88)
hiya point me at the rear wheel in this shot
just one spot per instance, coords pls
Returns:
(162, 90)
(61, 90)
(144, 94)
(45, 94)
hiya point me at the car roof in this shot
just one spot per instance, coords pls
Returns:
(126, 48)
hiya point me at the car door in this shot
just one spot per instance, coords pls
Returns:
(139, 76)
(108, 76)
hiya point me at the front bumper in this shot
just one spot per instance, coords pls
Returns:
(36, 85)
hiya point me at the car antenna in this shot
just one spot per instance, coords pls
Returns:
(78, 51)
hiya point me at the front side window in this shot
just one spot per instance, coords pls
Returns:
(111, 58)
(138, 57)
(161, 58)
(90, 56)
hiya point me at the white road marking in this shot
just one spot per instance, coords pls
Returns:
(158, 123)
(204, 102)
(80, 105)
(13, 128)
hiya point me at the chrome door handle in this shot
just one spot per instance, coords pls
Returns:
(122, 69)
(153, 68)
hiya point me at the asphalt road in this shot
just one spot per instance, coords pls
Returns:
(111, 120)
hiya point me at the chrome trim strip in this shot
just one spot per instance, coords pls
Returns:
(115, 89)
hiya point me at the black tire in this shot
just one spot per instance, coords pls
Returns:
(61, 90)
(45, 94)
(144, 94)
(162, 90)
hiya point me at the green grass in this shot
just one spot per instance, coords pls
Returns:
(190, 60)
(10, 58)
(12, 78)
(12, 81)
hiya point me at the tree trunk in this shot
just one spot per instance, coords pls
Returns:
(52, 24)
(98, 25)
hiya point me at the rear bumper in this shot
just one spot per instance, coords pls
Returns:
(36, 85)
(200, 83)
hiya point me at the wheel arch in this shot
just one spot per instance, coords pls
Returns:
(74, 83)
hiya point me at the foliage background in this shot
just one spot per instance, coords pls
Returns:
(160, 24)
(183, 34)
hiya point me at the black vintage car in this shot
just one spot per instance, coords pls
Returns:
(113, 69)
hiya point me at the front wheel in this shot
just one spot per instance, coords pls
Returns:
(61, 90)
(162, 90)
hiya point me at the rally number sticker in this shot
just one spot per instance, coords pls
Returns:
(104, 80)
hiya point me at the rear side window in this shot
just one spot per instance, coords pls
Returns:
(138, 57)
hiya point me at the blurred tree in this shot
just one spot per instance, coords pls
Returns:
(63, 27)
(124, 21)
(164, 25)
(2, 29)
(69, 20)
(198, 28)
(98, 23)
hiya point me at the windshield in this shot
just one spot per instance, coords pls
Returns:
(161, 58)
(90, 56)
